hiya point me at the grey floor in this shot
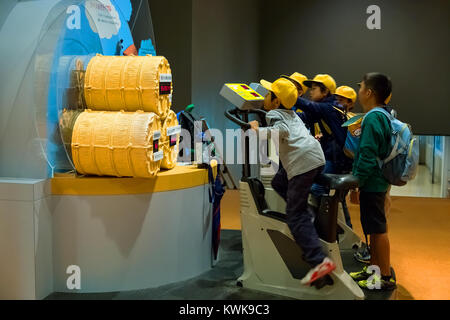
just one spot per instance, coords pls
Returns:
(217, 284)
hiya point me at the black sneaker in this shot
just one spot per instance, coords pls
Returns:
(375, 282)
(360, 275)
(363, 254)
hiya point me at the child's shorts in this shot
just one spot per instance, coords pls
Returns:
(373, 217)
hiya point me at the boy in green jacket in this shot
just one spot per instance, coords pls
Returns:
(374, 143)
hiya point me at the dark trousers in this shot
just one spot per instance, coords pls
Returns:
(299, 217)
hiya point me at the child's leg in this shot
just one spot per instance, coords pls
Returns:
(348, 220)
(280, 183)
(373, 221)
(300, 219)
(380, 251)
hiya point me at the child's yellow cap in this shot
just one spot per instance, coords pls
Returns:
(346, 92)
(324, 79)
(298, 78)
(284, 89)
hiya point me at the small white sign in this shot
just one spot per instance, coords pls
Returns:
(158, 155)
(156, 135)
(173, 130)
(103, 18)
(165, 77)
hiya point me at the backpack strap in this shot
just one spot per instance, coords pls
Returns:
(341, 111)
(381, 110)
(394, 151)
(325, 125)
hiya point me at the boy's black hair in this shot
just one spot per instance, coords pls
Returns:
(272, 96)
(322, 88)
(380, 84)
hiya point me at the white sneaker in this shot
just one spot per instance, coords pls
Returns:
(326, 267)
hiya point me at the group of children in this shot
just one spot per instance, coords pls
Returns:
(312, 141)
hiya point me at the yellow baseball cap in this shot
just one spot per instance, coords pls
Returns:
(284, 89)
(298, 78)
(346, 92)
(324, 79)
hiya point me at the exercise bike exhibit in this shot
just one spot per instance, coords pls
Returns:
(272, 259)
(348, 239)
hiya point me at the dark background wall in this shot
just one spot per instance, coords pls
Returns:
(172, 24)
(331, 37)
(212, 42)
(208, 43)
(225, 48)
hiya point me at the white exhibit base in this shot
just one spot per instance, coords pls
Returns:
(119, 243)
(26, 270)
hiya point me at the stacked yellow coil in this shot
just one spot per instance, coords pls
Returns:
(116, 144)
(67, 120)
(128, 83)
(170, 128)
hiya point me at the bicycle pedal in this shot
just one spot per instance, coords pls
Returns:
(322, 282)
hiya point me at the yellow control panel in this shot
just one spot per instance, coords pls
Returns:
(242, 96)
(244, 91)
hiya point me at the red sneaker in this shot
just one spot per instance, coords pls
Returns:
(327, 266)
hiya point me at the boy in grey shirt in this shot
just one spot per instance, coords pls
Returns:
(301, 160)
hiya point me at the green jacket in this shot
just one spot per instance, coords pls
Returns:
(374, 142)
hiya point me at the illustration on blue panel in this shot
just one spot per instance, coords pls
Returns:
(89, 27)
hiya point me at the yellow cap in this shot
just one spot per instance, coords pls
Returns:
(298, 78)
(284, 89)
(324, 79)
(346, 92)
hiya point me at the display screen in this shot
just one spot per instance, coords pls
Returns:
(173, 140)
(155, 146)
(255, 94)
(165, 87)
(245, 87)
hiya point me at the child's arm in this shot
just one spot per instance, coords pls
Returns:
(306, 120)
(276, 122)
(314, 110)
(372, 138)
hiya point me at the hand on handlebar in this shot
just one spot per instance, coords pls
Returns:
(254, 125)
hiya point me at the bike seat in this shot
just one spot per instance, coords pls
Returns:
(337, 181)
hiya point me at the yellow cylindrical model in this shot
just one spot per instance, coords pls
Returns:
(170, 138)
(117, 144)
(129, 83)
(67, 120)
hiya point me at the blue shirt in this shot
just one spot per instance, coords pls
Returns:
(315, 112)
